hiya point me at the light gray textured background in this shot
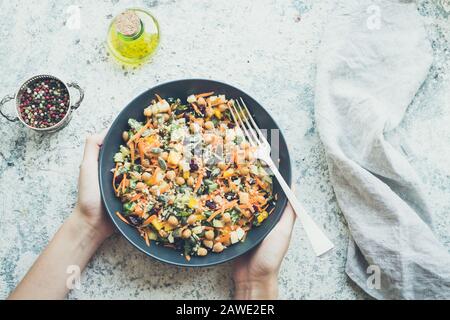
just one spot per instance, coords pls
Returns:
(267, 48)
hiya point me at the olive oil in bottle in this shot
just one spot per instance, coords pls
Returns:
(133, 37)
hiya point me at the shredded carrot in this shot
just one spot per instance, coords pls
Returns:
(204, 95)
(261, 184)
(196, 109)
(199, 181)
(154, 178)
(216, 103)
(132, 153)
(124, 182)
(114, 177)
(147, 241)
(224, 238)
(121, 217)
(226, 206)
(164, 189)
(136, 197)
(141, 146)
(149, 220)
(138, 135)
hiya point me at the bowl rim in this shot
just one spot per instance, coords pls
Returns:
(188, 264)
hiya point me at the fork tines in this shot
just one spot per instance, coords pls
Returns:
(244, 120)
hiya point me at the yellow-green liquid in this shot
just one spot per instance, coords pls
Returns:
(133, 52)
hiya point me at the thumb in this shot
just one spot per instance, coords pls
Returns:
(92, 148)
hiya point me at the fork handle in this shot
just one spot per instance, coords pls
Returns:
(319, 241)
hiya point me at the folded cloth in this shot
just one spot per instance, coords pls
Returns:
(373, 58)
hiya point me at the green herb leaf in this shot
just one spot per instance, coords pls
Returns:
(134, 124)
(118, 157)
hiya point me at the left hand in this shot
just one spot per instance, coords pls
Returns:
(89, 206)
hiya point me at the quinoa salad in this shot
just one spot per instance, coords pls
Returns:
(187, 177)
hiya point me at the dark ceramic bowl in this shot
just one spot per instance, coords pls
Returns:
(182, 89)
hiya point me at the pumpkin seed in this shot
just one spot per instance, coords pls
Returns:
(162, 163)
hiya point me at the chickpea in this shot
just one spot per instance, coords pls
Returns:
(209, 235)
(250, 155)
(221, 165)
(201, 102)
(209, 125)
(218, 199)
(125, 136)
(244, 171)
(146, 176)
(173, 221)
(218, 247)
(245, 145)
(200, 122)
(166, 117)
(136, 175)
(226, 217)
(170, 175)
(209, 138)
(140, 186)
(192, 219)
(148, 152)
(190, 181)
(165, 155)
(163, 233)
(180, 181)
(145, 162)
(223, 127)
(209, 112)
(201, 252)
(186, 234)
(194, 127)
(223, 107)
(148, 112)
(208, 243)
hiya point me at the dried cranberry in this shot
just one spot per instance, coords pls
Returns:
(230, 196)
(211, 204)
(194, 167)
(135, 220)
(154, 210)
(119, 179)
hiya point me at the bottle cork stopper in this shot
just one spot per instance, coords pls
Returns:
(128, 23)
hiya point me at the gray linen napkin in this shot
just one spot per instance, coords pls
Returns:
(373, 58)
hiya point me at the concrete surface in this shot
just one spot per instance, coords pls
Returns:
(267, 48)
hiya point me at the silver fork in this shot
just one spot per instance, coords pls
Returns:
(319, 241)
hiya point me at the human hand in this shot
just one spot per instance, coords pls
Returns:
(256, 274)
(89, 206)
(77, 239)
